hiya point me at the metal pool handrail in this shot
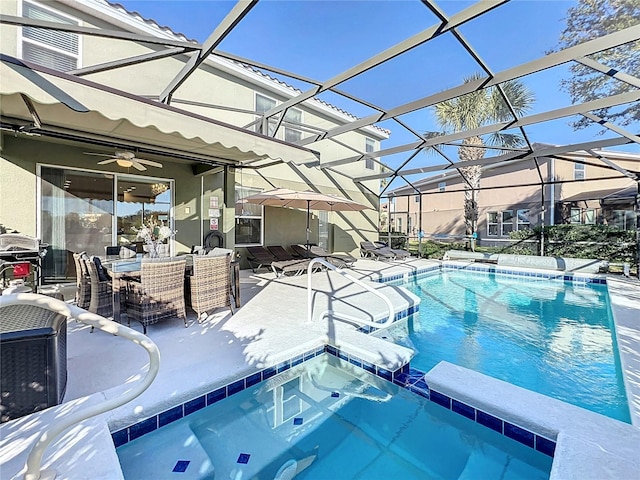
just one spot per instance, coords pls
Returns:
(344, 316)
(34, 459)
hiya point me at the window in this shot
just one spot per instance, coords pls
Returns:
(291, 134)
(408, 224)
(578, 171)
(575, 215)
(369, 164)
(500, 223)
(507, 222)
(49, 48)
(524, 222)
(417, 198)
(590, 216)
(492, 224)
(442, 186)
(248, 218)
(624, 219)
(399, 223)
(264, 104)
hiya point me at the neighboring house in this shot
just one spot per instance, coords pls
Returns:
(578, 188)
(208, 142)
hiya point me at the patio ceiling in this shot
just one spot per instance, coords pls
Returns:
(441, 27)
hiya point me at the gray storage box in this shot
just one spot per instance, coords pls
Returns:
(33, 367)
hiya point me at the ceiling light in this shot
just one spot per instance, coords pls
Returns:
(123, 162)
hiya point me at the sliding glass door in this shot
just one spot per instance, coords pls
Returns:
(80, 211)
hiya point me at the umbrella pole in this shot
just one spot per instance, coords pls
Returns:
(308, 204)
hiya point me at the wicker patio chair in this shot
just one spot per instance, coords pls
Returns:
(210, 284)
(101, 298)
(160, 292)
(83, 282)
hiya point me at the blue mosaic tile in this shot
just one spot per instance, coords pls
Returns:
(320, 350)
(216, 395)
(355, 361)
(145, 426)
(335, 394)
(297, 360)
(297, 421)
(463, 409)
(440, 399)
(195, 405)
(268, 372)
(490, 421)
(419, 391)
(519, 434)
(386, 374)
(254, 379)
(543, 445)
(401, 379)
(168, 416)
(421, 384)
(369, 367)
(235, 387)
(120, 437)
(282, 367)
(343, 355)
(243, 458)
(181, 466)
(332, 350)
(308, 355)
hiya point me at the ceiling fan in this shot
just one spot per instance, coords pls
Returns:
(126, 159)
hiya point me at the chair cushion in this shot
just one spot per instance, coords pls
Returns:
(101, 273)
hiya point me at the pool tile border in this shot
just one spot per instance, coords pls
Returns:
(484, 268)
(405, 377)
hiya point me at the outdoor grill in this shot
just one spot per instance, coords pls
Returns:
(19, 254)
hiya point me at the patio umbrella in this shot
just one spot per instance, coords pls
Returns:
(284, 197)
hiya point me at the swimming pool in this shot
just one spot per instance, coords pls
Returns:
(550, 336)
(322, 421)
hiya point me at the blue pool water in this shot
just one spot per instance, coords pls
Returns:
(326, 422)
(549, 336)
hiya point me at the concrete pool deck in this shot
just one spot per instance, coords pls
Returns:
(270, 327)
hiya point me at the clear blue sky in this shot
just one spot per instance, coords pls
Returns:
(320, 39)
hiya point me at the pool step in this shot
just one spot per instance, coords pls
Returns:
(177, 450)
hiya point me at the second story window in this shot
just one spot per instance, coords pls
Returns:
(369, 164)
(264, 104)
(442, 186)
(49, 48)
(291, 134)
(578, 171)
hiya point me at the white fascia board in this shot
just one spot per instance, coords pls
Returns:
(127, 21)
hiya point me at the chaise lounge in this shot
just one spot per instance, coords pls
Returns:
(369, 250)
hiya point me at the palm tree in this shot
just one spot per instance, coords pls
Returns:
(473, 110)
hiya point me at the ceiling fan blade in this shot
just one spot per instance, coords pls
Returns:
(149, 162)
(98, 154)
(109, 160)
(137, 165)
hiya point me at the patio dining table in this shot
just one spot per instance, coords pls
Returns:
(122, 270)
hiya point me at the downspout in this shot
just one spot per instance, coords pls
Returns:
(552, 199)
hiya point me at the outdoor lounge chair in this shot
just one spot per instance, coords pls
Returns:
(160, 292)
(399, 253)
(341, 260)
(259, 257)
(210, 284)
(302, 252)
(280, 253)
(369, 250)
(297, 266)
